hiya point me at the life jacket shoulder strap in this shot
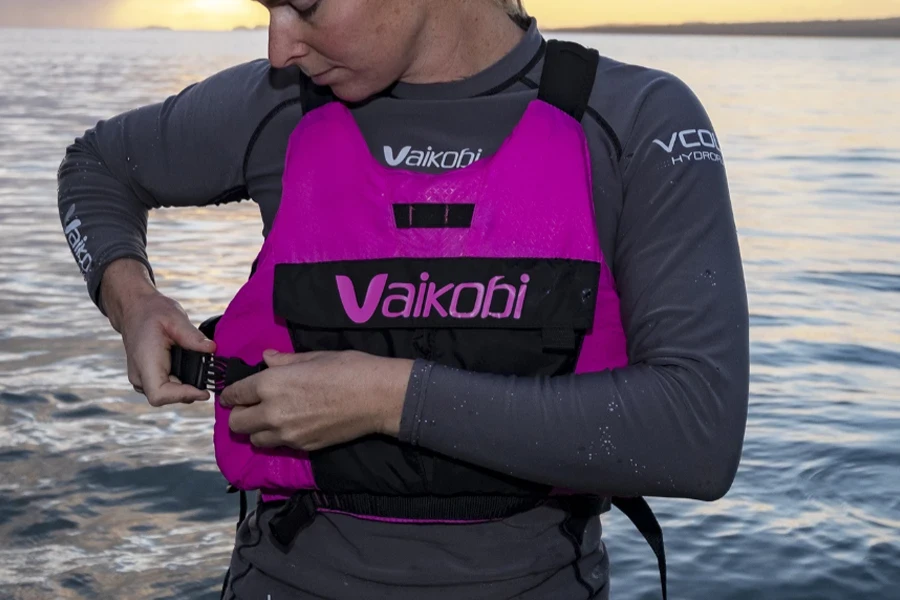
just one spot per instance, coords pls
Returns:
(568, 77)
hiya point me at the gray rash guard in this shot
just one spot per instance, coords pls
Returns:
(670, 424)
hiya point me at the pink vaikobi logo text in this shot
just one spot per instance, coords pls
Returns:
(425, 299)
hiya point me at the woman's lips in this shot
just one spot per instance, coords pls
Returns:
(324, 77)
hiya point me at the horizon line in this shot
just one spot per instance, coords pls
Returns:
(565, 28)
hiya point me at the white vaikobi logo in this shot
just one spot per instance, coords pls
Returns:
(77, 242)
(431, 158)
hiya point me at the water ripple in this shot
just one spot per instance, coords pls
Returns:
(882, 282)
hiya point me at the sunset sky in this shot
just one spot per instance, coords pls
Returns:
(225, 14)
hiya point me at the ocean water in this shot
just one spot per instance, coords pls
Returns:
(102, 496)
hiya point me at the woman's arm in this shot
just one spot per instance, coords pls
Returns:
(670, 424)
(188, 150)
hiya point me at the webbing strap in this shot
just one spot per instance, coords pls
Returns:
(568, 77)
(639, 512)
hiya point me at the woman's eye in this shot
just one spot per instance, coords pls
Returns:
(307, 12)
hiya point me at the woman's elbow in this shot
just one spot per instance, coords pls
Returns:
(720, 434)
(716, 470)
(715, 487)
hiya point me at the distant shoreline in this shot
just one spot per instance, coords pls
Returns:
(873, 28)
(860, 28)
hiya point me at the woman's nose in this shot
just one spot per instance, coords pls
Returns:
(286, 39)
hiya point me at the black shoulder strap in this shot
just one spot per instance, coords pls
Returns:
(313, 96)
(568, 77)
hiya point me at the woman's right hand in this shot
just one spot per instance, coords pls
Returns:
(150, 324)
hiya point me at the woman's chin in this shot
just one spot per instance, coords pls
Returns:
(350, 93)
(352, 90)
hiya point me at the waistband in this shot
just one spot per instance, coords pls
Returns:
(297, 513)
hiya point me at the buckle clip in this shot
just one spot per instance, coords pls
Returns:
(192, 367)
(209, 372)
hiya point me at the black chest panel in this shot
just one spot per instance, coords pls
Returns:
(516, 316)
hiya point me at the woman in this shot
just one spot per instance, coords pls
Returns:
(464, 160)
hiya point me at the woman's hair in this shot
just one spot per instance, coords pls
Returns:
(516, 10)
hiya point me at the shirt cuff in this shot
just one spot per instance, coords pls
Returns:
(414, 403)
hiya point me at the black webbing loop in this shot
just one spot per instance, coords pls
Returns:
(639, 512)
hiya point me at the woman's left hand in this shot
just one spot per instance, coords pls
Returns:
(314, 400)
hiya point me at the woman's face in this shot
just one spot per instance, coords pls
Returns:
(358, 47)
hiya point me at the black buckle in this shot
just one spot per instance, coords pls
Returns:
(207, 371)
(192, 367)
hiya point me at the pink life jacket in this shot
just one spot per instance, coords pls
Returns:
(495, 267)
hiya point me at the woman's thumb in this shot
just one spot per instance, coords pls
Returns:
(189, 337)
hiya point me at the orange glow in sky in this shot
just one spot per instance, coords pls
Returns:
(226, 14)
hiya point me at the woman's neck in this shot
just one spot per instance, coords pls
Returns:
(461, 38)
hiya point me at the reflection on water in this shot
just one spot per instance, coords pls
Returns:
(104, 496)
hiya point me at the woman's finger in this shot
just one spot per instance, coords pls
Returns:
(176, 393)
(266, 439)
(182, 332)
(173, 379)
(248, 420)
(241, 393)
(161, 388)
